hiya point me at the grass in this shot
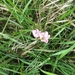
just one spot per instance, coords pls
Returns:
(20, 54)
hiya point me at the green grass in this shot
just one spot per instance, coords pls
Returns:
(20, 54)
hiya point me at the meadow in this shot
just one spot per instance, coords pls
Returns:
(37, 37)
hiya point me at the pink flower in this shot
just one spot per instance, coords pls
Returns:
(36, 33)
(44, 37)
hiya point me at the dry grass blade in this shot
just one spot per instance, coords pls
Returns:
(29, 47)
(52, 2)
(3, 7)
(72, 23)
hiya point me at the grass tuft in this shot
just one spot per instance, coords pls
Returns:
(21, 53)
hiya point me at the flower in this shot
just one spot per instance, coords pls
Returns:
(44, 37)
(36, 33)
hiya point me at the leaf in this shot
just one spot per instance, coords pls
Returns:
(47, 73)
(8, 37)
(59, 32)
(67, 13)
(69, 42)
(64, 52)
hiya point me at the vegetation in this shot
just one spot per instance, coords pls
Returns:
(20, 54)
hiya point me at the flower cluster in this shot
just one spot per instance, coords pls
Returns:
(43, 36)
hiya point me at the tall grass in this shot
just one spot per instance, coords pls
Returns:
(20, 54)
